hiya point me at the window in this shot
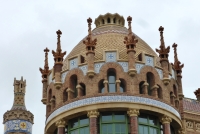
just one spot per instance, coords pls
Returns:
(73, 85)
(141, 88)
(111, 82)
(101, 87)
(149, 125)
(159, 90)
(65, 95)
(150, 81)
(122, 86)
(113, 123)
(79, 126)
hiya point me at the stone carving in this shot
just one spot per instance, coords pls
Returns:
(93, 113)
(61, 123)
(18, 114)
(165, 119)
(133, 112)
(197, 126)
(189, 125)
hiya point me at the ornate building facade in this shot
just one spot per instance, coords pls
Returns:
(18, 120)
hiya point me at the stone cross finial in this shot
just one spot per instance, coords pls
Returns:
(197, 93)
(130, 40)
(177, 64)
(163, 52)
(58, 43)
(90, 44)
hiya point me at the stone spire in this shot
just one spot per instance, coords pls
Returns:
(90, 44)
(18, 119)
(163, 52)
(130, 42)
(90, 47)
(197, 93)
(177, 64)
(58, 58)
(46, 70)
(19, 93)
(45, 73)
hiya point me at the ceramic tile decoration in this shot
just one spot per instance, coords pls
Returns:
(84, 69)
(160, 72)
(18, 126)
(73, 63)
(108, 99)
(124, 66)
(138, 67)
(111, 56)
(63, 75)
(97, 67)
(149, 61)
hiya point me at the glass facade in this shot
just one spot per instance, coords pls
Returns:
(79, 126)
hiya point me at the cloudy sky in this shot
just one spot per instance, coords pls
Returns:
(27, 27)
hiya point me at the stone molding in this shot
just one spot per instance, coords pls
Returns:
(181, 131)
(133, 112)
(18, 114)
(165, 119)
(93, 113)
(61, 123)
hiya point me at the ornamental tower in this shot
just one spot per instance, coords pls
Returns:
(18, 120)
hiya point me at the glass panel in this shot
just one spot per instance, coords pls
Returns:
(84, 121)
(111, 77)
(102, 90)
(107, 129)
(84, 130)
(152, 130)
(143, 129)
(112, 88)
(74, 132)
(106, 118)
(74, 123)
(152, 120)
(121, 89)
(119, 117)
(142, 119)
(120, 128)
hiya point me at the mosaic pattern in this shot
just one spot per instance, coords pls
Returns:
(138, 67)
(63, 75)
(149, 61)
(73, 63)
(111, 57)
(160, 72)
(84, 69)
(17, 126)
(97, 67)
(108, 99)
(124, 66)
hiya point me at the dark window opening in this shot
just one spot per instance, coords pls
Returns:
(102, 21)
(114, 20)
(141, 88)
(140, 57)
(73, 83)
(101, 86)
(82, 59)
(108, 20)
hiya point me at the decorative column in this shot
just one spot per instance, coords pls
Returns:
(165, 120)
(133, 113)
(163, 54)
(105, 82)
(154, 91)
(118, 85)
(58, 62)
(61, 126)
(70, 93)
(197, 93)
(178, 68)
(45, 73)
(80, 90)
(90, 47)
(130, 42)
(93, 114)
(145, 88)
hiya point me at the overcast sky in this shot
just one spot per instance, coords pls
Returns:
(27, 27)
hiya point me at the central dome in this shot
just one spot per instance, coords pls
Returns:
(110, 33)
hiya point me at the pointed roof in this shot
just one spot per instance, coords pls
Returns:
(46, 70)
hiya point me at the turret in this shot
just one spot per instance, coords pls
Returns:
(197, 93)
(18, 119)
(130, 42)
(58, 61)
(90, 50)
(45, 73)
(163, 54)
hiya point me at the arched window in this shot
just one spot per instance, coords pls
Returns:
(79, 126)
(101, 87)
(49, 95)
(114, 20)
(113, 123)
(175, 91)
(141, 88)
(111, 81)
(73, 85)
(108, 20)
(53, 102)
(150, 81)
(122, 86)
(171, 97)
(65, 95)
(159, 90)
(149, 124)
(83, 92)
(103, 21)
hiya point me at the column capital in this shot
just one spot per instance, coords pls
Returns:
(105, 81)
(154, 87)
(61, 123)
(79, 87)
(181, 131)
(118, 81)
(93, 113)
(133, 112)
(165, 119)
(145, 84)
(70, 90)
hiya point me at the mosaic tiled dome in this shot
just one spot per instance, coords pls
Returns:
(110, 36)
